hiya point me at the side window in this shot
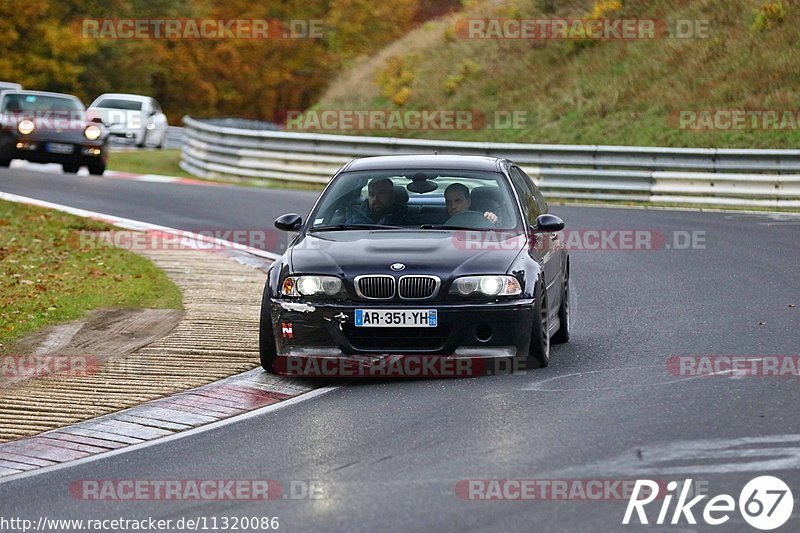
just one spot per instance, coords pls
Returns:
(537, 194)
(525, 189)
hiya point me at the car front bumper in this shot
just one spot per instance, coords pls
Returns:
(470, 339)
(39, 150)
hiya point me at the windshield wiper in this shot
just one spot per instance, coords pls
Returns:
(446, 226)
(339, 227)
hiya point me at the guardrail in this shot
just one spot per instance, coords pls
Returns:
(175, 138)
(689, 176)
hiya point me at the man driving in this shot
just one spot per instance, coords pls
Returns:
(380, 206)
(457, 199)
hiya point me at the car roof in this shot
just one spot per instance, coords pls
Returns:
(39, 93)
(426, 161)
(123, 96)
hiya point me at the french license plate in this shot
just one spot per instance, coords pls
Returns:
(59, 148)
(404, 318)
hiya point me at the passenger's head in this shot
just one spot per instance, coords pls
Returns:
(380, 195)
(456, 197)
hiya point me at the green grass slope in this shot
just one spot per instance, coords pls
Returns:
(600, 92)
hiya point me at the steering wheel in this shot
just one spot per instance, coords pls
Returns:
(471, 219)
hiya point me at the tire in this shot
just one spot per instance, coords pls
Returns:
(97, 169)
(5, 162)
(562, 335)
(71, 168)
(539, 349)
(266, 337)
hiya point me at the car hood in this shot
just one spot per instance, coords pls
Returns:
(443, 253)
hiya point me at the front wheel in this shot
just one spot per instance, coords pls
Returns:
(539, 350)
(266, 337)
(97, 169)
(71, 168)
(5, 162)
(562, 335)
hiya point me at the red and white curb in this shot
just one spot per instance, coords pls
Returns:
(204, 408)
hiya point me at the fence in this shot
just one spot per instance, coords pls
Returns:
(688, 176)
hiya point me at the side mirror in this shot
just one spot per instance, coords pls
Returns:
(289, 222)
(548, 222)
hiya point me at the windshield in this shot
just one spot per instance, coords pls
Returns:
(120, 103)
(426, 199)
(19, 102)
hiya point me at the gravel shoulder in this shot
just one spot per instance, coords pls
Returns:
(134, 356)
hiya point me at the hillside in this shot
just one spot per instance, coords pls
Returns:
(598, 91)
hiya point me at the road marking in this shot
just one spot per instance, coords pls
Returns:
(702, 456)
(541, 385)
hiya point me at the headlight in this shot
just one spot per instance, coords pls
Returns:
(26, 126)
(326, 286)
(92, 132)
(486, 286)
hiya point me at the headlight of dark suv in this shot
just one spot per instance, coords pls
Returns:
(486, 286)
(313, 286)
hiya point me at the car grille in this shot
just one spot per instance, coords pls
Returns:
(397, 339)
(417, 287)
(375, 287)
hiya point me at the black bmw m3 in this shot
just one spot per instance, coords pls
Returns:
(418, 266)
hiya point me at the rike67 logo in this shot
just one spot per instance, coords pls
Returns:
(765, 503)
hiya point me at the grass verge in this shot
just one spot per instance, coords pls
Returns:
(50, 276)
